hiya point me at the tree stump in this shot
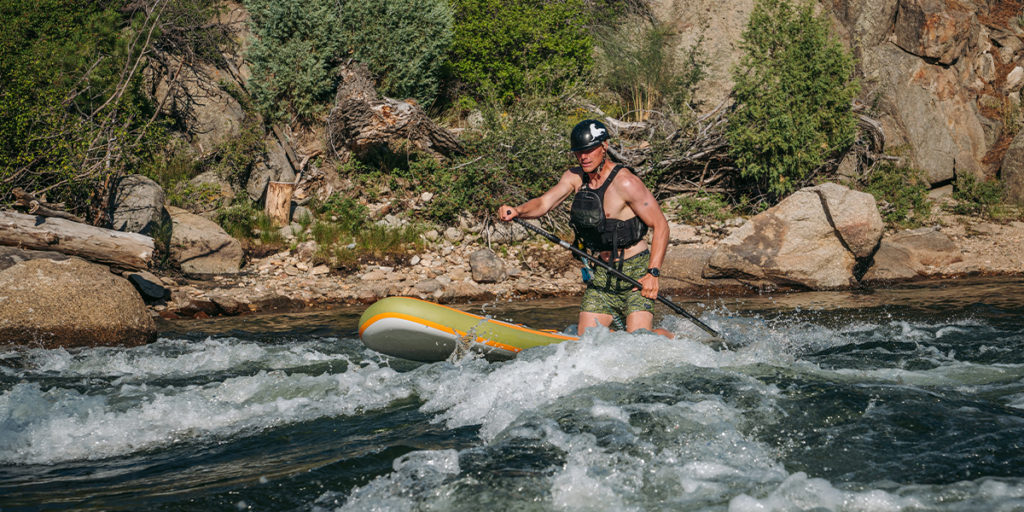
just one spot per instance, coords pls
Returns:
(362, 121)
(279, 202)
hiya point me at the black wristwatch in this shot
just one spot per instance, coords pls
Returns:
(654, 272)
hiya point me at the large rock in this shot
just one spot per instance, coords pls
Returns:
(11, 256)
(934, 29)
(682, 273)
(138, 205)
(201, 247)
(855, 217)
(934, 112)
(912, 254)
(487, 267)
(70, 303)
(796, 242)
(1013, 170)
(274, 166)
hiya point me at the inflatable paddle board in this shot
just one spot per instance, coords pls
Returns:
(424, 331)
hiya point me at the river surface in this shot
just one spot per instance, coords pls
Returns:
(887, 400)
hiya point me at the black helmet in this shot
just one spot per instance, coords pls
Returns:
(587, 134)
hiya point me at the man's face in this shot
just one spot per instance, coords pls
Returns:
(591, 158)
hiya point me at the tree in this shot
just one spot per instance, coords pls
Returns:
(794, 85)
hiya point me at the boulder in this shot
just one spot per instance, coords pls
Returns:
(201, 247)
(487, 267)
(71, 303)
(11, 256)
(682, 273)
(855, 217)
(934, 29)
(148, 285)
(1012, 174)
(912, 254)
(792, 243)
(138, 205)
(274, 166)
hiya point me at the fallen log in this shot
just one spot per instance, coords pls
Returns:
(35, 206)
(116, 248)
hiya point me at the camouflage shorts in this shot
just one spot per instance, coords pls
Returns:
(609, 295)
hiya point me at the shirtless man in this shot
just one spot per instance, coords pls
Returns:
(611, 213)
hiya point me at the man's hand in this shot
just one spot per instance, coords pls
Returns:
(507, 213)
(650, 286)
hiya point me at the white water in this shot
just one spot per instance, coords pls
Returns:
(689, 453)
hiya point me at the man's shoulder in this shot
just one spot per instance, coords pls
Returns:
(627, 181)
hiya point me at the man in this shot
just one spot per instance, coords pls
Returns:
(611, 212)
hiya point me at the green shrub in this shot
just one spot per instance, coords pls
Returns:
(345, 235)
(510, 48)
(975, 197)
(405, 42)
(245, 221)
(639, 62)
(902, 193)
(299, 44)
(296, 46)
(700, 208)
(793, 90)
(521, 151)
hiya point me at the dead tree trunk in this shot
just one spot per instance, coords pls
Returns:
(361, 121)
(116, 248)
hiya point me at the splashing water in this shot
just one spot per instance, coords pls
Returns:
(909, 399)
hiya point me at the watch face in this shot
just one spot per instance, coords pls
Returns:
(654, 272)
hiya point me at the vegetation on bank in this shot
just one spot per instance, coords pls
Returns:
(78, 109)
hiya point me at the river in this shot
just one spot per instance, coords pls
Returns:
(909, 398)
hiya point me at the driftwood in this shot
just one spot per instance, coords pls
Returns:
(36, 206)
(116, 248)
(362, 122)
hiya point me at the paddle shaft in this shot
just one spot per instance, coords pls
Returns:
(615, 272)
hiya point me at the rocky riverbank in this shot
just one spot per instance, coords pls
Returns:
(468, 270)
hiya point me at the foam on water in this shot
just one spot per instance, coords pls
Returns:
(621, 421)
(693, 454)
(43, 426)
(170, 358)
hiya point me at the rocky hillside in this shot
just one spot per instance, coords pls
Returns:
(943, 77)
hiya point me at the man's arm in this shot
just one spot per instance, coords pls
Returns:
(643, 203)
(538, 206)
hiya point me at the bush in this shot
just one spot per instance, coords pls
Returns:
(509, 48)
(701, 208)
(245, 221)
(521, 151)
(793, 90)
(902, 193)
(345, 235)
(405, 42)
(638, 61)
(299, 44)
(296, 47)
(976, 197)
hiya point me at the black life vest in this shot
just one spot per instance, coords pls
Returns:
(596, 232)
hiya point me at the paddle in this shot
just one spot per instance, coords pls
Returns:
(613, 271)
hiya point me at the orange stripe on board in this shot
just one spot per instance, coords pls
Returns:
(434, 325)
(499, 322)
